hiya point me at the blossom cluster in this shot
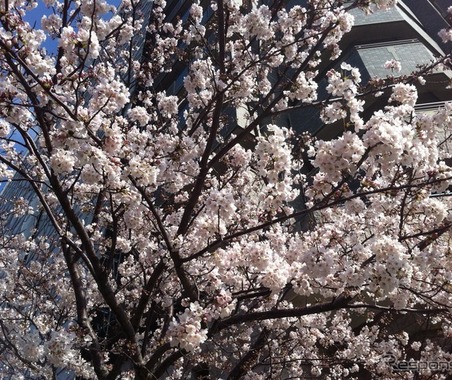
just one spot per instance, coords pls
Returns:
(186, 330)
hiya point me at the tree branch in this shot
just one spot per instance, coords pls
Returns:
(337, 303)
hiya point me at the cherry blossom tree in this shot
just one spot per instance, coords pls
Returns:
(191, 234)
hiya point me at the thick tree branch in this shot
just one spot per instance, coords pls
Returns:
(337, 303)
(82, 314)
(251, 356)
